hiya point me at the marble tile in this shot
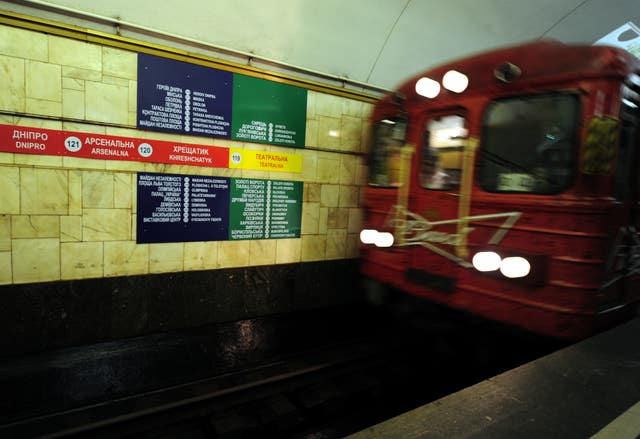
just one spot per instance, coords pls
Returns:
(353, 245)
(356, 216)
(81, 74)
(123, 190)
(35, 260)
(328, 168)
(97, 190)
(71, 228)
(44, 81)
(5, 233)
(73, 104)
(233, 254)
(35, 226)
(352, 108)
(348, 196)
(44, 191)
(43, 107)
(38, 160)
(200, 255)
(75, 192)
(75, 53)
(81, 260)
(328, 105)
(22, 43)
(125, 258)
(106, 225)
(348, 169)
(329, 195)
(329, 132)
(166, 258)
(119, 63)
(107, 103)
(9, 190)
(262, 252)
(312, 192)
(336, 243)
(310, 218)
(311, 133)
(338, 218)
(350, 133)
(12, 79)
(313, 247)
(72, 84)
(5, 268)
(288, 251)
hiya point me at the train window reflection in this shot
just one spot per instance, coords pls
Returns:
(528, 144)
(387, 140)
(442, 149)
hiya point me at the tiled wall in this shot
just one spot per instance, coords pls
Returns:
(67, 218)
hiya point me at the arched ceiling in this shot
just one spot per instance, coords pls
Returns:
(376, 42)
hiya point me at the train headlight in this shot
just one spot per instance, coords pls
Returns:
(368, 236)
(455, 81)
(486, 261)
(515, 266)
(427, 87)
(384, 239)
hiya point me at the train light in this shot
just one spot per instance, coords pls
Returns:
(455, 81)
(384, 239)
(368, 236)
(486, 261)
(514, 267)
(427, 87)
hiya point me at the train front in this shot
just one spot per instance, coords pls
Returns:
(505, 185)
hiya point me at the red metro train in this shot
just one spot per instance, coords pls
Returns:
(505, 184)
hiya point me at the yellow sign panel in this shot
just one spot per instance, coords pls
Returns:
(264, 160)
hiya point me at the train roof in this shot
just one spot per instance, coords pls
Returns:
(542, 60)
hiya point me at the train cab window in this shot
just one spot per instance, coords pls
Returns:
(625, 187)
(441, 154)
(528, 144)
(388, 137)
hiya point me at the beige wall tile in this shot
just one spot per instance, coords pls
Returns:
(81, 260)
(9, 190)
(200, 255)
(311, 133)
(311, 104)
(353, 245)
(22, 43)
(35, 260)
(70, 228)
(119, 63)
(43, 107)
(310, 218)
(72, 84)
(35, 226)
(348, 196)
(166, 258)
(44, 191)
(97, 190)
(328, 105)
(367, 109)
(233, 254)
(80, 163)
(5, 268)
(133, 100)
(356, 216)
(81, 74)
(312, 192)
(348, 169)
(338, 218)
(73, 104)
(350, 133)
(13, 96)
(125, 258)
(113, 80)
(323, 220)
(336, 243)
(38, 160)
(288, 251)
(329, 195)
(262, 252)
(75, 192)
(352, 108)
(6, 158)
(309, 166)
(329, 132)
(106, 225)
(328, 168)
(122, 190)
(5, 233)
(107, 103)
(75, 53)
(44, 81)
(313, 247)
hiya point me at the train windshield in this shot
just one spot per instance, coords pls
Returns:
(388, 137)
(529, 144)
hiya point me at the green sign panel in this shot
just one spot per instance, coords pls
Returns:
(264, 209)
(268, 112)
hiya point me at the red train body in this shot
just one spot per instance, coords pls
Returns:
(505, 184)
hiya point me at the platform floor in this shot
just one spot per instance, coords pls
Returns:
(589, 389)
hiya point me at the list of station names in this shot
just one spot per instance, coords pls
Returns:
(181, 97)
(183, 208)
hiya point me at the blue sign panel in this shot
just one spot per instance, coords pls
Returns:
(179, 97)
(182, 208)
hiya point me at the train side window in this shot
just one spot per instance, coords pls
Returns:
(529, 144)
(625, 185)
(388, 137)
(442, 151)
